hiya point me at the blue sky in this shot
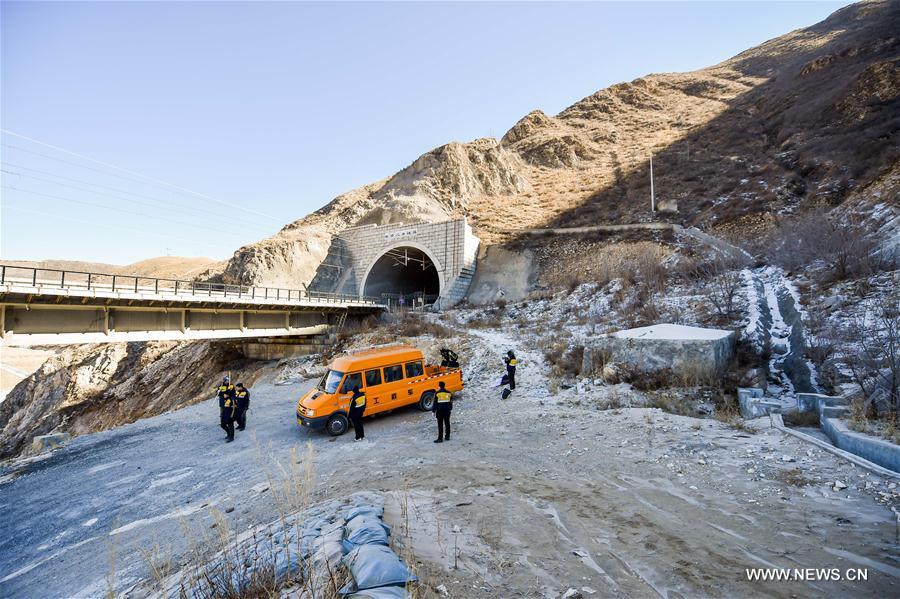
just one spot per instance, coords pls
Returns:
(247, 116)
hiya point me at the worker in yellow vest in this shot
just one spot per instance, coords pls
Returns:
(511, 363)
(227, 408)
(443, 404)
(357, 407)
(242, 397)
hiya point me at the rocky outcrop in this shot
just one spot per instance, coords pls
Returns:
(454, 173)
(89, 388)
(545, 141)
(437, 186)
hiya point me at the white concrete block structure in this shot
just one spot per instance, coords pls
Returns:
(436, 260)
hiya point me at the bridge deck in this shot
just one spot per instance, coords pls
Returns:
(56, 306)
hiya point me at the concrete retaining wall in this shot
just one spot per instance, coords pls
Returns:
(878, 451)
(749, 401)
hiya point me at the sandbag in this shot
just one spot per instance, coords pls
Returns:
(329, 553)
(381, 593)
(365, 510)
(372, 532)
(364, 522)
(373, 566)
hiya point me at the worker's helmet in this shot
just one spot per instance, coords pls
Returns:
(441, 384)
(226, 378)
(241, 385)
(510, 353)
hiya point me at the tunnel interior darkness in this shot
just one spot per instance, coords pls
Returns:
(402, 271)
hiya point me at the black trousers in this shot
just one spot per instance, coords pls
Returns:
(226, 421)
(443, 418)
(511, 373)
(356, 416)
(241, 418)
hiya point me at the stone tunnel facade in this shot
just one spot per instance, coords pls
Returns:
(445, 251)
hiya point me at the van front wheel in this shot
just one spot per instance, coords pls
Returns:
(427, 401)
(337, 425)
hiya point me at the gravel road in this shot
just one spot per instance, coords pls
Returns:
(532, 496)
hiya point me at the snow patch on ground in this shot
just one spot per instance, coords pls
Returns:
(672, 332)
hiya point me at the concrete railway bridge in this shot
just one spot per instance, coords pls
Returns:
(368, 269)
(43, 306)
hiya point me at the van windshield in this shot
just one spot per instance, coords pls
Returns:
(330, 381)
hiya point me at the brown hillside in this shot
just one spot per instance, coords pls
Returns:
(811, 117)
(163, 267)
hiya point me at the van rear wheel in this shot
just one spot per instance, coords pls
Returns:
(337, 425)
(427, 401)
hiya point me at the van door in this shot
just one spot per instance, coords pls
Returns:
(374, 390)
(396, 390)
(352, 380)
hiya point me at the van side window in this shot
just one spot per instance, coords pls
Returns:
(413, 369)
(393, 373)
(352, 380)
(373, 378)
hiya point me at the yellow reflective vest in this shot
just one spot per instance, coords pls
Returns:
(226, 396)
(444, 396)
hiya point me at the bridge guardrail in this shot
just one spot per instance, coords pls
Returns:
(74, 279)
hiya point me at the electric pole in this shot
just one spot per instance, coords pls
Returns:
(652, 198)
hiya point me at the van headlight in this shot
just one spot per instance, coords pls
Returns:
(309, 412)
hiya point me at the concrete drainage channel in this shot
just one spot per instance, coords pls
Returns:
(302, 554)
(776, 321)
(869, 452)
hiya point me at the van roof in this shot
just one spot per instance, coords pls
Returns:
(379, 356)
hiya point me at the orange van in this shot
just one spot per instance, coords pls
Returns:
(392, 377)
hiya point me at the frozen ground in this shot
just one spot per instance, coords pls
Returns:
(532, 496)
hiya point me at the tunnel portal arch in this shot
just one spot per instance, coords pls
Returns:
(405, 268)
(352, 263)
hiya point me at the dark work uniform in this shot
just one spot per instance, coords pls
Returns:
(443, 405)
(227, 408)
(511, 371)
(243, 404)
(357, 407)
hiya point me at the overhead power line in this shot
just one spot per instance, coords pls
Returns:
(104, 225)
(153, 203)
(135, 173)
(106, 207)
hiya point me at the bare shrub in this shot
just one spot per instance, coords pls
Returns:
(846, 248)
(673, 403)
(490, 319)
(722, 283)
(226, 565)
(565, 360)
(415, 325)
(873, 353)
(820, 335)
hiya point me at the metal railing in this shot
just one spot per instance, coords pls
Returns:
(73, 279)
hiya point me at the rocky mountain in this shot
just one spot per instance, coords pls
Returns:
(809, 118)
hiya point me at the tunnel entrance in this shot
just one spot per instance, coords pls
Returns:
(405, 274)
